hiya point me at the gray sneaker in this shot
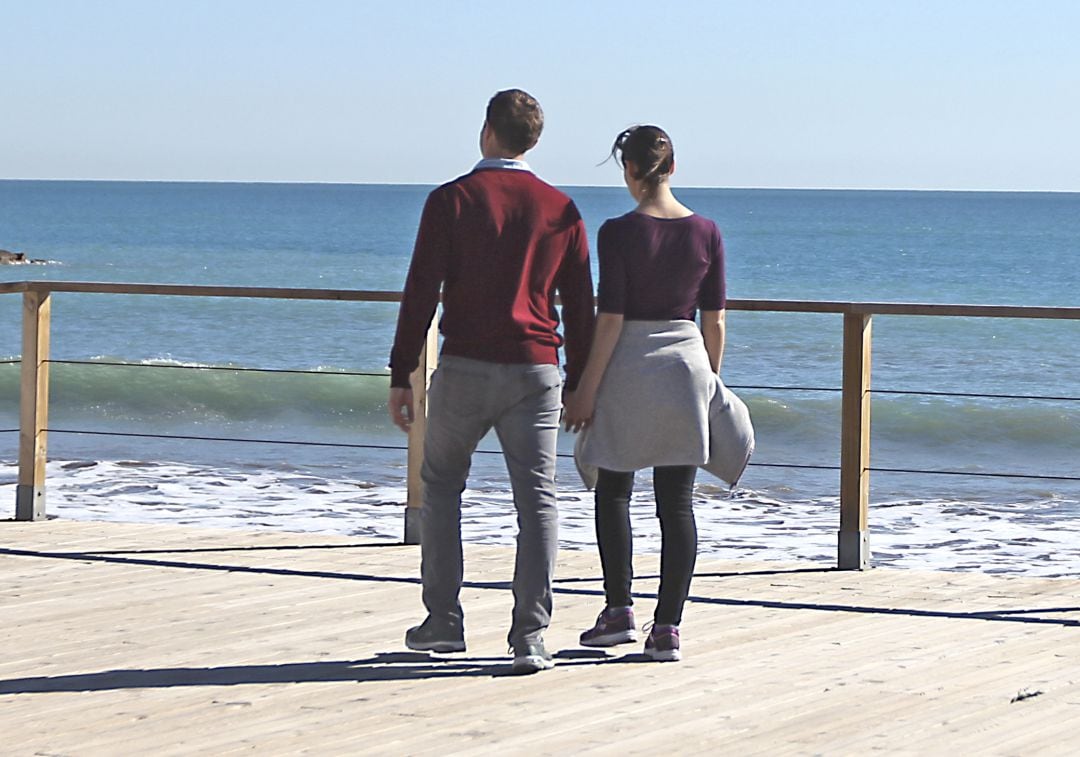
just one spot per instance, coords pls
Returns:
(531, 657)
(436, 635)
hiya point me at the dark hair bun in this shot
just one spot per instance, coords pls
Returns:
(649, 148)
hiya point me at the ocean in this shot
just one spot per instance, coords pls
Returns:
(137, 364)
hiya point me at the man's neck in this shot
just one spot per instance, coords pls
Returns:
(501, 155)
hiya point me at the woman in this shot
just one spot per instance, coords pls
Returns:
(643, 399)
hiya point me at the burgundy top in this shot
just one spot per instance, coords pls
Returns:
(500, 242)
(660, 269)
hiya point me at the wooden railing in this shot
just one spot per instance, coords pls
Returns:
(853, 543)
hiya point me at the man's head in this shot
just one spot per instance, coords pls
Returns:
(515, 120)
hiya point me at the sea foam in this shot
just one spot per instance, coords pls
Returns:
(1037, 538)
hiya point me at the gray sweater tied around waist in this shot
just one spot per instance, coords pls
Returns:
(660, 404)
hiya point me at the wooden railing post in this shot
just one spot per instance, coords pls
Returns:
(420, 380)
(33, 407)
(854, 536)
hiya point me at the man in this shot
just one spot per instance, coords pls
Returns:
(500, 242)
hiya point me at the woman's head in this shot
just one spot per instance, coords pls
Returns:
(646, 152)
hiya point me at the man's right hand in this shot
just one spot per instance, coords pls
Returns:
(401, 407)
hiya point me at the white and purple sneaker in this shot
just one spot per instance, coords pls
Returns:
(615, 625)
(663, 644)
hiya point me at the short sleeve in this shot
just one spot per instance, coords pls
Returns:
(611, 289)
(713, 293)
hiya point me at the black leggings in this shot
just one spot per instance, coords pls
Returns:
(674, 488)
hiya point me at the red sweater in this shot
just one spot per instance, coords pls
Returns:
(500, 242)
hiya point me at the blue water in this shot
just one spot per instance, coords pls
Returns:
(993, 248)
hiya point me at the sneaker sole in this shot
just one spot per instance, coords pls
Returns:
(610, 640)
(671, 655)
(437, 646)
(531, 664)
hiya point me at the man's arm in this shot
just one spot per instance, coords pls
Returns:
(418, 302)
(575, 287)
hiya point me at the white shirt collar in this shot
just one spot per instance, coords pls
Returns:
(517, 165)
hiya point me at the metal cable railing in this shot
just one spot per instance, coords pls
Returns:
(193, 438)
(973, 473)
(234, 369)
(934, 472)
(854, 405)
(796, 466)
(977, 395)
(785, 388)
(401, 447)
(909, 391)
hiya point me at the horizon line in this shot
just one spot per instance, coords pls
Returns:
(574, 185)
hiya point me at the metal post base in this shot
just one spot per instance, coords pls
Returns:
(854, 550)
(29, 502)
(412, 525)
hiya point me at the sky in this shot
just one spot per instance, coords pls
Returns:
(884, 94)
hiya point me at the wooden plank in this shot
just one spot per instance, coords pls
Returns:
(854, 549)
(169, 640)
(965, 311)
(190, 290)
(773, 306)
(33, 407)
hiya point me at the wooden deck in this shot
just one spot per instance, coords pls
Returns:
(137, 639)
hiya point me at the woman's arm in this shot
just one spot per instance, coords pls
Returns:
(580, 404)
(713, 329)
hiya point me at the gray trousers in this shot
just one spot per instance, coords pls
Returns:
(522, 403)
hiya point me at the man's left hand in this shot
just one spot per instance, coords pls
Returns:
(401, 407)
